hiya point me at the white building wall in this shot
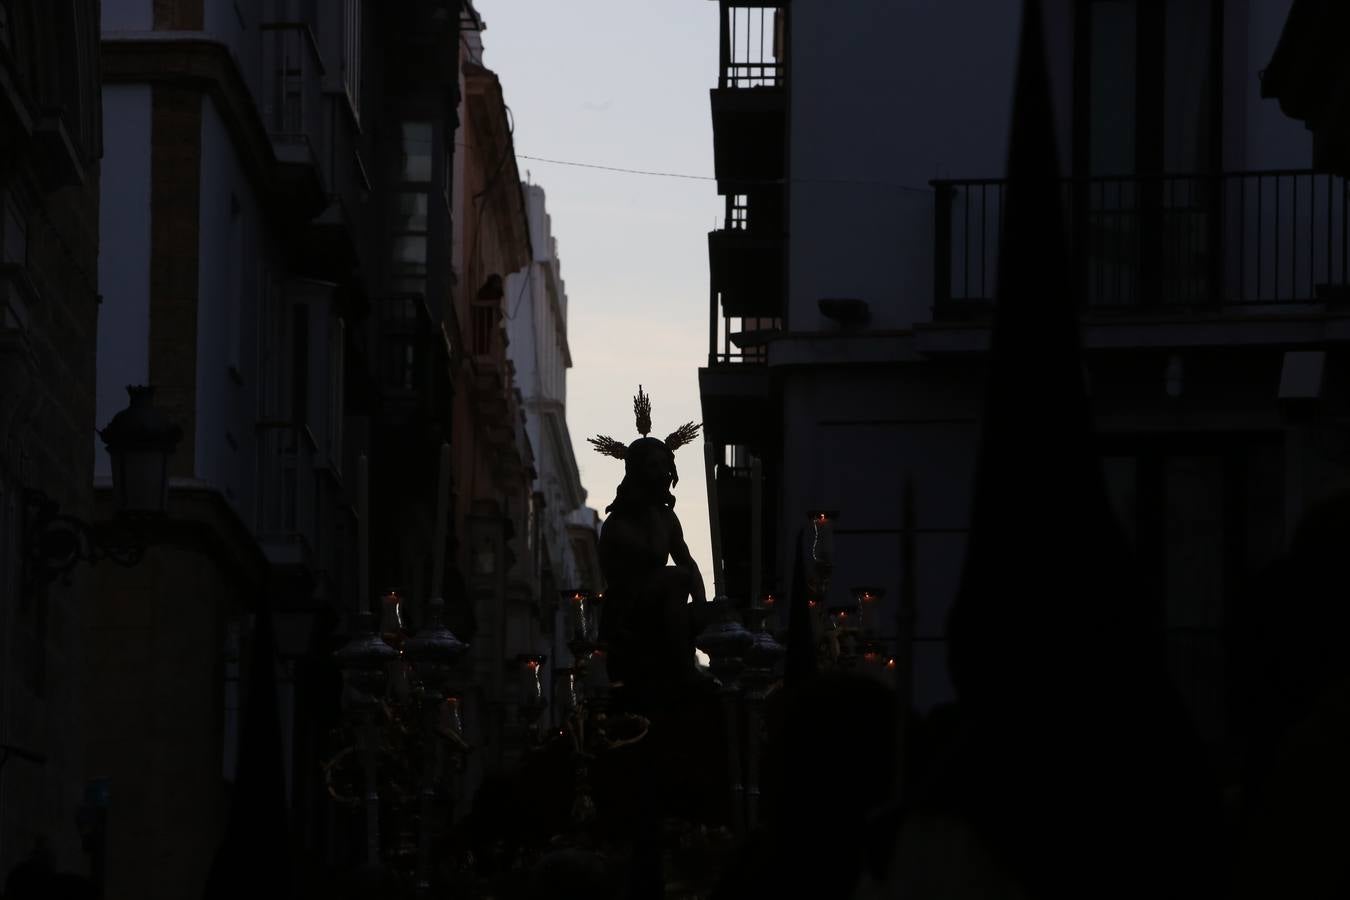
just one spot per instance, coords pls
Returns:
(536, 328)
(884, 97)
(230, 284)
(124, 255)
(126, 15)
(235, 24)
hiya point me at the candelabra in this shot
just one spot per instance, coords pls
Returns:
(581, 692)
(408, 733)
(847, 636)
(744, 662)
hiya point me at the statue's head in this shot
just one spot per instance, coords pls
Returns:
(652, 462)
(648, 462)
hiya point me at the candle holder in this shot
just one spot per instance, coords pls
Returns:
(532, 697)
(568, 690)
(868, 601)
(581, 611)
(597, 678)
(820, 547)
(842, 634)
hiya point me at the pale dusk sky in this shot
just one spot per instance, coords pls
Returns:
(622, 83)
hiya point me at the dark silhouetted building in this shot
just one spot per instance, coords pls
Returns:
(50, 144)
(861, 150)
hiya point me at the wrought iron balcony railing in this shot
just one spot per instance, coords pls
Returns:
(1216, 240)
(753, 46)
(736, 340)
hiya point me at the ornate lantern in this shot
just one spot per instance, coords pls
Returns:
(364, 661)
(140, 440)
(433, 650)
(726, 641)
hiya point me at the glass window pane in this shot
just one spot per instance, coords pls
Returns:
(412, 212)
(1186, 131)
(1112, 87)
(416, 151)
(410, 253)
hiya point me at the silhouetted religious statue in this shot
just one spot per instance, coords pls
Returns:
(646, 621)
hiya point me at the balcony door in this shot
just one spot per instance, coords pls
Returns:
(1147, 116)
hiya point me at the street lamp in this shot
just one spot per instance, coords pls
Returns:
(139, 439)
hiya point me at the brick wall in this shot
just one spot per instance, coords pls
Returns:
(40, 649)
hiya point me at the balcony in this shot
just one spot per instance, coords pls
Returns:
(1230, 244)
(287, 496)
(736, 389)
(746, 266)
(488, 348)
(292, 111)
(405, 331)
(336, 234)
(749, 104)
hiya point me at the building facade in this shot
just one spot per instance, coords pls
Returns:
(537, 329)
(50, 146)
(281, 208)
(852, 282)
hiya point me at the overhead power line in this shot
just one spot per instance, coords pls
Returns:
(582, 165)
(622, 170)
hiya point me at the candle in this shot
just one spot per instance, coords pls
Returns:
(442, 514)
(362, 530)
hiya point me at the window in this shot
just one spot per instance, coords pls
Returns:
(738, 211)
(416, 152)
(1147, 83)
(409, 249)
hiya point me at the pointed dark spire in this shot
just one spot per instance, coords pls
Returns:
(1078, 767)
(1045, 572)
